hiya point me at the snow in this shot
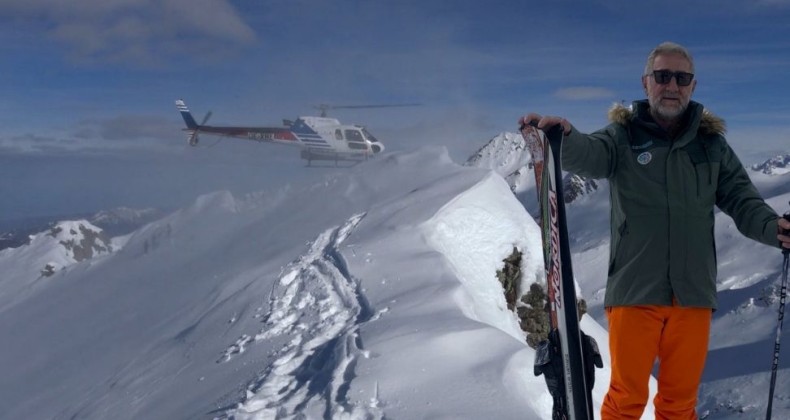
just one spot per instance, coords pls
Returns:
(370, 294)
(486, 217)
(56, 249)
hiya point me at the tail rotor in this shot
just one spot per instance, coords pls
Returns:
(192, 139)
(192, 126)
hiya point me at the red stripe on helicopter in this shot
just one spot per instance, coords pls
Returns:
(284, 135)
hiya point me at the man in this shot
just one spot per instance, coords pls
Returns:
(668, 164)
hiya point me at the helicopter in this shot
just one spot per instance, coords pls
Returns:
(320, 138)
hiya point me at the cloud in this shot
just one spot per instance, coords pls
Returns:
(584, 93)
(142, 32)
(125, 128)
(121, 134)
(34, 143)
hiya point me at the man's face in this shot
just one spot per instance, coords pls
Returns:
(668, 101)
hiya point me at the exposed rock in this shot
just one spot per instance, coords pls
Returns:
(575, 186)
(532, 308)
(81, 239)
(510, 276)
(776, 165)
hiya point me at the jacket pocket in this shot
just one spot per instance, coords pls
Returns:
(706, 160)
(617, 246)
(707, 178)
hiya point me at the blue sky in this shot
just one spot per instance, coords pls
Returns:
(87, 119)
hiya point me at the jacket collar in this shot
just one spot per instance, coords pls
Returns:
(698, 119)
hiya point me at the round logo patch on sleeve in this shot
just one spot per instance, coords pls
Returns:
(644, 158)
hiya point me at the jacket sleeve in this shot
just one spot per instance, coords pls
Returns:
(590, 155)
(737, 197)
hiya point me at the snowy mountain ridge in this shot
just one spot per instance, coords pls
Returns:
(64, 244)
(508, 155)
(114, 222)
(67, 243)
(123, 220)
(120, 215)
(371, 294)
(777, 165)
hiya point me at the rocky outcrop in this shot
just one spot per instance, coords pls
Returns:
(81, 239)
(777, 165)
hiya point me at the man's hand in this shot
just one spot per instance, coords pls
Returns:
(545, 123)
(784, 231)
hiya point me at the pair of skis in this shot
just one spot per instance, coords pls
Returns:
(561, 358)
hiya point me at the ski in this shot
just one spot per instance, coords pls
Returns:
(566, 377)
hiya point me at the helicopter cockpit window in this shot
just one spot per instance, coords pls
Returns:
(368, 135)
(354, 135)
(338, 134)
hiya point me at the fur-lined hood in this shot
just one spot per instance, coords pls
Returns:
(709, 123)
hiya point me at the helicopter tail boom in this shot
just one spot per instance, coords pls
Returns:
(188, 119)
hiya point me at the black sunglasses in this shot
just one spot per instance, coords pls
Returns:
(663, 77)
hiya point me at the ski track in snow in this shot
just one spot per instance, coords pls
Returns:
(320, 306)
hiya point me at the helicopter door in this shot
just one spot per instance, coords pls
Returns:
(355, 139)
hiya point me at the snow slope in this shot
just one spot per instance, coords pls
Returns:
(369, 295)
(61, 246)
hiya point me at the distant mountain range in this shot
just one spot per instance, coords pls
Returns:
(114, 222)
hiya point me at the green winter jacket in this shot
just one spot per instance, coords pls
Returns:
(662, 197)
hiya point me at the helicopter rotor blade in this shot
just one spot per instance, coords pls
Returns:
(373, 106)
(325, 107)
(205, 119)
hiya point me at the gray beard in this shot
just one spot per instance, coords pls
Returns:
(663, 113)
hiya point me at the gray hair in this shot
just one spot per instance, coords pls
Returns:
(666, 48)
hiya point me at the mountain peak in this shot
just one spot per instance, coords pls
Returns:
(80, 239)
(777, 165)
(63, 244)
(507, 154)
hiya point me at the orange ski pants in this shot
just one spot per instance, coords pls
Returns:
(638, 335)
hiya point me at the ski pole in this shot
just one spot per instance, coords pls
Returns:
(782, 296)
